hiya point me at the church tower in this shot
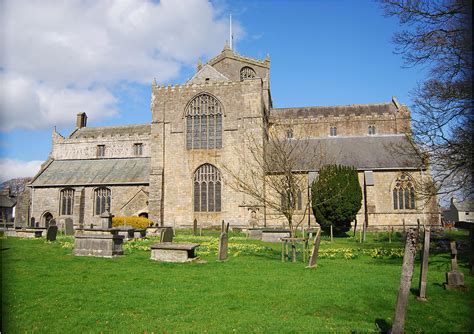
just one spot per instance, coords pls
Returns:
(198, 133)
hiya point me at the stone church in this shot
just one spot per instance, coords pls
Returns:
(174, 170)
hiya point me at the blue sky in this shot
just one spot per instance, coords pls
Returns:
(100, 57)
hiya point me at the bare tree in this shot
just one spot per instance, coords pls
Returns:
(275, 175)
(439, 34)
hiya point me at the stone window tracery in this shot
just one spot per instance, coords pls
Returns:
(101, 200)
(207, 189)
(66, 201)
(137, 149)
(204, 123)
(247, 73)
(404, 194)
(333, 131)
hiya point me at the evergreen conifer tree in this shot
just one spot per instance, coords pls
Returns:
(336, 197)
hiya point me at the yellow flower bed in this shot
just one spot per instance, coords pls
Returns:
(135, 222)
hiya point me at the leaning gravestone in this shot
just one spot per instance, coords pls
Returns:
(424, 264)
(69, 227)
(314, 254)
(454, 278)
(51, 233)
(195, 227)
(166, 234)
(405, 281)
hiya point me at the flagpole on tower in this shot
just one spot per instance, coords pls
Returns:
(230, 31)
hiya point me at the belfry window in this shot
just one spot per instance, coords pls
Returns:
(371, 129)
(100, 151)
(66, 201)
(247, 73)
(137, 149)
(404, 194)
(101, 200)
(204, 123)
(207, 189)
(333, 131)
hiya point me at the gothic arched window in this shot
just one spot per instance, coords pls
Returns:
(204, 123)
(333, 131)
(247, 73)
(207, 189)
(66, 201)
(404, 194)
(101, 200)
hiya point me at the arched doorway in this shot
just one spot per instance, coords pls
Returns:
(47, 217)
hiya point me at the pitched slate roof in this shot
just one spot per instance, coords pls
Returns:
(207, 72)
(94, 172)
(324, 111)
(467, 205)
(364, 152)
(6, 201)
(103, 131)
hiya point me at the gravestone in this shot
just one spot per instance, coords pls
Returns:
(454, 278)
(223, 247)
(424, 264)
(51, 233)
(223, 243)
(32, 222)
(195, 227)
(52, 222)
(69, 227)
(166, 234)
(314, 254)
(405, 281)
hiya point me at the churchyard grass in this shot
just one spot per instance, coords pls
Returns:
(46, 289)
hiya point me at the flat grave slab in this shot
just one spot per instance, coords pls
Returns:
(274, 235)
(173, 252)
(30, 233)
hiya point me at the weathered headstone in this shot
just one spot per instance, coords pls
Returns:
(52, 222)
(195, 227)
(68, 227)
(223, 247)
(166, 234)
(454, 278)
(314, 253)
(405, 281)
(32, 222)
(424, 264)
(106, 217)
(51, 233)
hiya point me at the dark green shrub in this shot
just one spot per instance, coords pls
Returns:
(336, 197)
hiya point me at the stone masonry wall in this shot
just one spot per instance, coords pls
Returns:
(47, 200)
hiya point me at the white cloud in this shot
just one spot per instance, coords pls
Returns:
(11, 168)
(59, 54)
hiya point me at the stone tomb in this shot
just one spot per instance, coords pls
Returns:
(173, 252)
(274, 235)
(98, 242)
(30, 233)
(254, 233)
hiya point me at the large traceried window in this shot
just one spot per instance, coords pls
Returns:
(101, 200)
(66, 201)
(207, 189)
(204, 123)
(247, 73)
(404, 194)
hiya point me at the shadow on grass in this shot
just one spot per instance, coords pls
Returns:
(382, 326)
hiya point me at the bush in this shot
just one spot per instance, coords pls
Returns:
(135, 222)
(337, 197)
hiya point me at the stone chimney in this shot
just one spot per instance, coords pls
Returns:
(81, 120)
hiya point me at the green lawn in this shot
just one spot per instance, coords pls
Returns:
(47, 289)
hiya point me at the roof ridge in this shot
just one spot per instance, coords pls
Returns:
(338, 105)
